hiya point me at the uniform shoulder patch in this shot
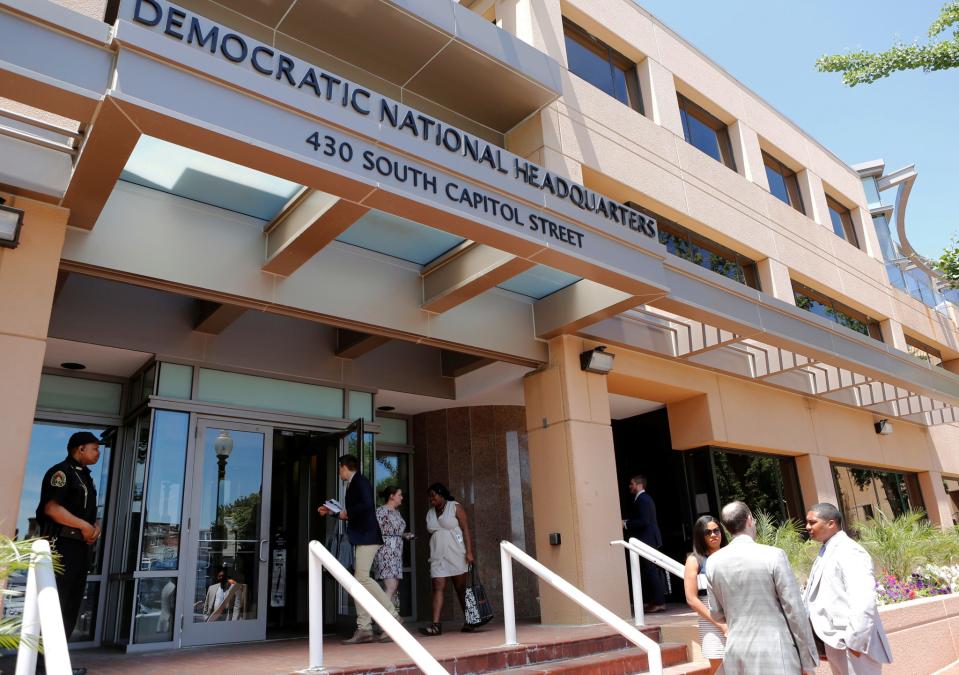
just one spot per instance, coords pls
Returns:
(58, 479)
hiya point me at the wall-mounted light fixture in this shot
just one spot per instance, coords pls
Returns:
(596, 360)
(883, 427)
(11, 220)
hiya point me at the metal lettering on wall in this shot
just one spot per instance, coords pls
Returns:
(206, 35)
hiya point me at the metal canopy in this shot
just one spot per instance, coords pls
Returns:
(662, 333)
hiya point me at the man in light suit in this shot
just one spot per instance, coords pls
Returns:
(641, 523)
(223, 599)
(756, 595)
(841, 598)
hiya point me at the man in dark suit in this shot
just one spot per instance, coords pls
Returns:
(641, 523)
(364, 533)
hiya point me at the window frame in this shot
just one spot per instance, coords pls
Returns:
(845, 217)
(873, 329)
(790, 180)
(611, 56)
(687, 108)
(931, 352)
(746, 264)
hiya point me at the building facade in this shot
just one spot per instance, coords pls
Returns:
(256, 236)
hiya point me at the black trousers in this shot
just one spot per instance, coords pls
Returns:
(654, 583)
(72, 582)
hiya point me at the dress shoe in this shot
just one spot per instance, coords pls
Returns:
(655, 609)
(360, 637)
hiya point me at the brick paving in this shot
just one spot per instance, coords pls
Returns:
(288, 656)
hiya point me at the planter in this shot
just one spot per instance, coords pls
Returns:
(923, 634)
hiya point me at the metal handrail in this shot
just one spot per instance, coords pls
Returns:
(41, 615)
(509, 552)
(320, 559)
(636, 549)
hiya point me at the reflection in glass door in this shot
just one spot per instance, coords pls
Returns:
(228, 534)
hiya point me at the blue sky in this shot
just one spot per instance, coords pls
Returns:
(907, 118)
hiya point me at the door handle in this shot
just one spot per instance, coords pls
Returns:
(263, 558)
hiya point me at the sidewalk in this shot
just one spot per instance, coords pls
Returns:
(288, 656)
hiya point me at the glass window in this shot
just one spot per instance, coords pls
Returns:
(921, 350)
(161, 525)
(768, 483)
(602, 66)
(886, 244)
(393, 468)
(864, 491)
(706, 132)
(141, 444)
(176, 381)
(842, 221)
(73, 393)
(817, 303)
(361, 405)
(782, 182)
(688, 245)
(48, 446)
(156, 609)
(217, 386)
(872, 190)
(951, 486)
(392, 430)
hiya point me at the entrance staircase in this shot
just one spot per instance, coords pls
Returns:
(609, 654)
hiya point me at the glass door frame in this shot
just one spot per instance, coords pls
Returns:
(225, 632)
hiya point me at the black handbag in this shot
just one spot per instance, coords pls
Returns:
(478, 609)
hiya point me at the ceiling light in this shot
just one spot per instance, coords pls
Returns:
(386, 408)
(72, 365)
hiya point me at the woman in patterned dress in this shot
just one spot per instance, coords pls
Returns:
(388, 563)
(708, 538)
(451, 552)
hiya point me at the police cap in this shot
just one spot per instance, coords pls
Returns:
(82, 438)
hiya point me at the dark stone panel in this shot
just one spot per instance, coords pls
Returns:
(466, 448)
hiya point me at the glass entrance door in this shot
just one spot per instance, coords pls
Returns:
(228, 534)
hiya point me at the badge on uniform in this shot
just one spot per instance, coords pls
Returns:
(58, 479)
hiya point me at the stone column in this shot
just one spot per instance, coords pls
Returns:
(28, 277)
(573, 481)
(659, 95)
(815, 480)
(814, 197)
(774, 279)
(748, 154)
(892, 334)
(938, 505)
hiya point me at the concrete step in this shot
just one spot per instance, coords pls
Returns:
(617, 662)
(503, 658)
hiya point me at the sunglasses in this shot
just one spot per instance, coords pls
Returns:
(712, 533)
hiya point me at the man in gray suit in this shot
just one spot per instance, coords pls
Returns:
(756, 595)
(841, 598)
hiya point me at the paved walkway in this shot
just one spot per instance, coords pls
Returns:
(287, 656)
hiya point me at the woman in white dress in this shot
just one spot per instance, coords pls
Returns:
(708, 538)
(451, 552)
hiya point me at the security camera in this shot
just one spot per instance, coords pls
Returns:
(883, 427)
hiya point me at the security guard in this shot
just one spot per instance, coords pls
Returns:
(67, 515)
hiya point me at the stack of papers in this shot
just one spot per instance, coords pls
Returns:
(333, 505)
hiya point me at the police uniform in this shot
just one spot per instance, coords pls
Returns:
(70, 484)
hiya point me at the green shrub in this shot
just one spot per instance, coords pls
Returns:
(14, 559)
(789, 536)
(899, 546)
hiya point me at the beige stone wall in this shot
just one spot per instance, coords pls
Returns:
(646, 160)
(28, 276)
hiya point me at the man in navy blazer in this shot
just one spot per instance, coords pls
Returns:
(364, 533)
(641, 523)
